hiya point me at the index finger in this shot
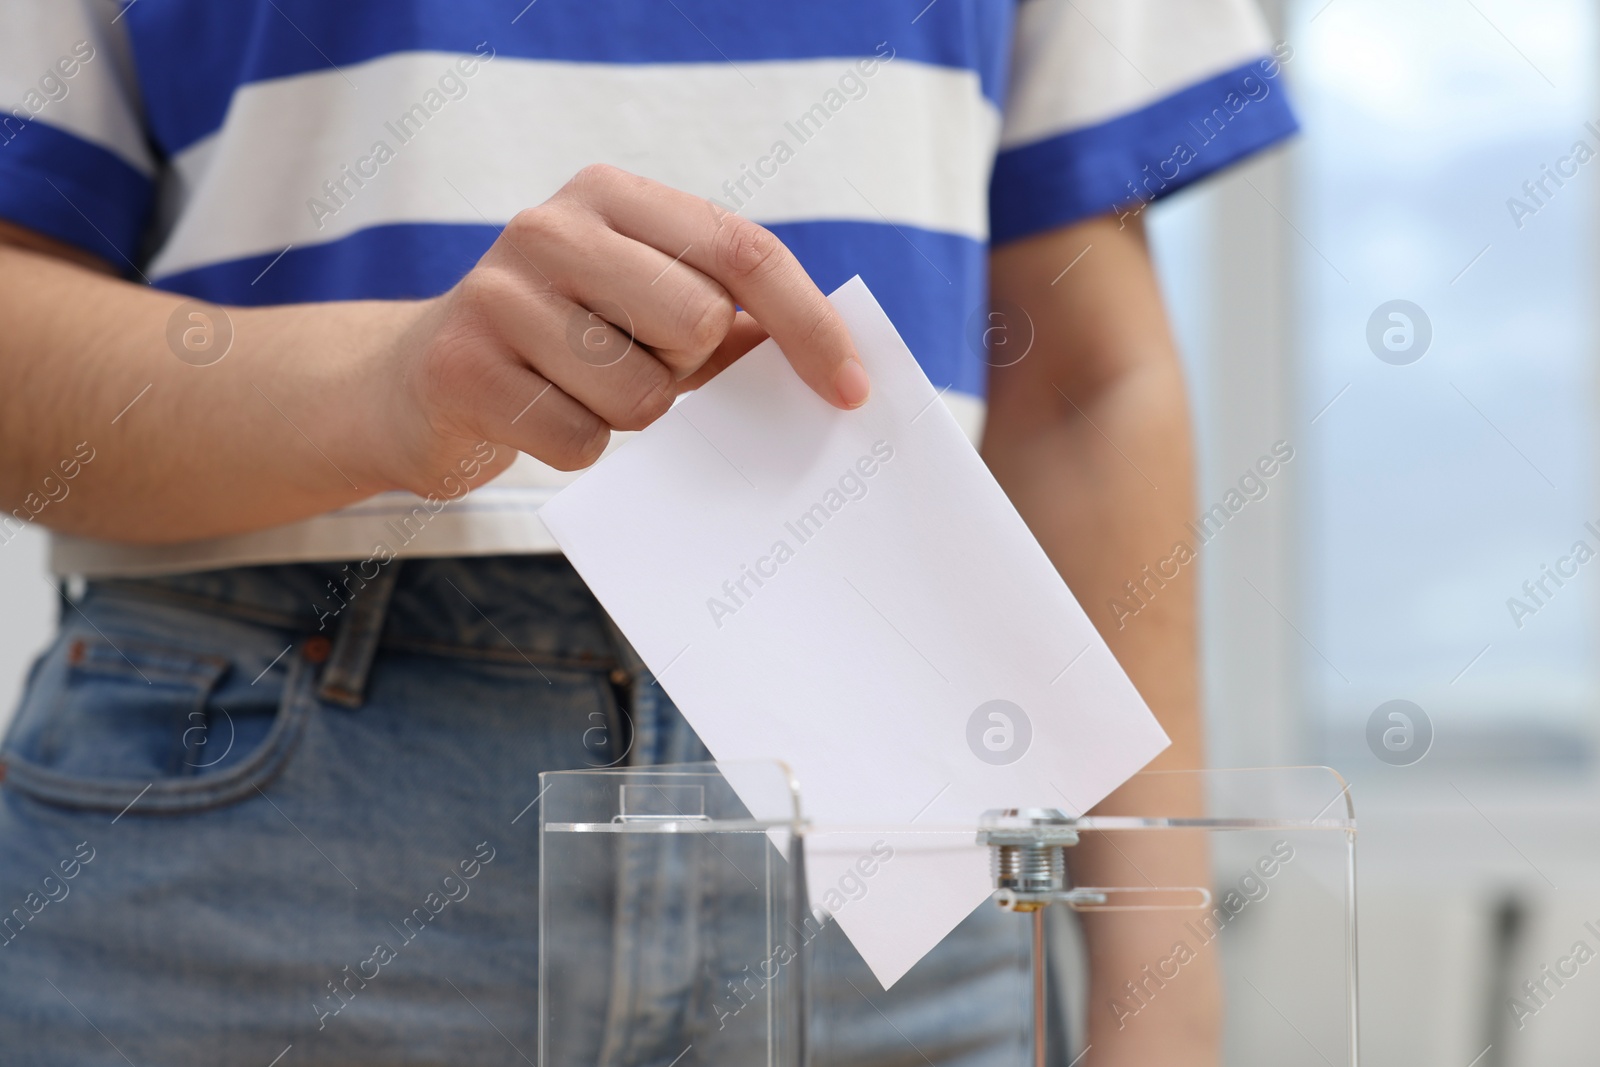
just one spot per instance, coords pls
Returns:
(748, 261)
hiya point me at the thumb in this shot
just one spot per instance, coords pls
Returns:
(742, 336)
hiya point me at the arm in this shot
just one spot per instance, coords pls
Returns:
(1089, 436)
(315, 406)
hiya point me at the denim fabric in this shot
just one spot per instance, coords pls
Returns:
(200, 853)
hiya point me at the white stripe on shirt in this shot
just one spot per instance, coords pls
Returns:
(917, 147)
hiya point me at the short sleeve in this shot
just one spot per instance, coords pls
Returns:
(1115, 101)
(75, 163)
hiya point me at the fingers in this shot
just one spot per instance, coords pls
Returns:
(611, 374)
(501, 399)
(744, 335)
(751, 264)
(679, 313)
(597, 308)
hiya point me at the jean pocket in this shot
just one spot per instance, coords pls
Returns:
(109, 720)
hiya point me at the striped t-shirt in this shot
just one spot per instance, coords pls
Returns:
(275, 151)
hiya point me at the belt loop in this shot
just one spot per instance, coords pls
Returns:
(355, 643)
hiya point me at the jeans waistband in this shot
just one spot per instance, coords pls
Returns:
(530, 608)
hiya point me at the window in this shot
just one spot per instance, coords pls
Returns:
(1442, 168)
(1444, 446)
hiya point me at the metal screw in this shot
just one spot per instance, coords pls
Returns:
(1027, 853)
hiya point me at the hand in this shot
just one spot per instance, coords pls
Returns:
(592, 312)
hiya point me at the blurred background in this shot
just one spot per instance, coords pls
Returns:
(1431, 477)
(1427, 486)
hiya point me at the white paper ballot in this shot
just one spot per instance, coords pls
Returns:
(852, 593)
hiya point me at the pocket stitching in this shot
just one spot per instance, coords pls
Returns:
(203, 669)
(178, 796)
(103, 658)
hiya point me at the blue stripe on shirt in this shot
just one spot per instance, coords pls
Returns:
(67, 188)
(192, 54)
(404, 261)
(909, 270)
(923, 278)
(1097, 169)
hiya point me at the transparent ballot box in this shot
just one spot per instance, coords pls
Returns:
(678, 926)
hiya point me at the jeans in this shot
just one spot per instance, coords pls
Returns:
(228, 836)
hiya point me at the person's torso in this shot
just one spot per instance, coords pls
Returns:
(312, 152)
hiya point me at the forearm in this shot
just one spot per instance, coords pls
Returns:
(1092, 443)
(277, 430)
